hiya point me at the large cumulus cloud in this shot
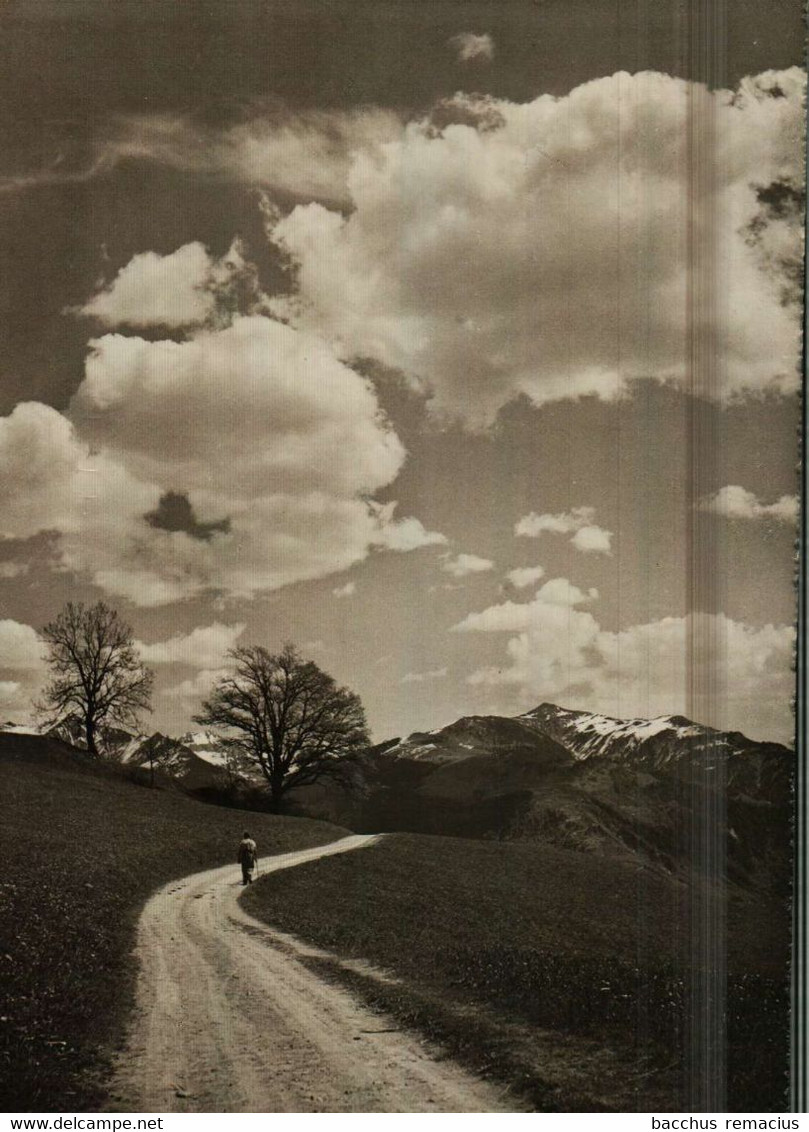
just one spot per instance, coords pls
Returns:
(567, 246)
(238, 459)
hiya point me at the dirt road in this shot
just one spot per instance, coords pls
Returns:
(229, 1020)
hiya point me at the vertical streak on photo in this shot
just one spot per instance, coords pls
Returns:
(706, 644)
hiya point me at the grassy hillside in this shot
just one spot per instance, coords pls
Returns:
(547, 938)
(82, 848)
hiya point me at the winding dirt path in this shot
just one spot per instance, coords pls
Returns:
(229, 1020)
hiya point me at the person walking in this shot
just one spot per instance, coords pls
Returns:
(248, 855)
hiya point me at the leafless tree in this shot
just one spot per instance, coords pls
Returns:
(289, 717)
(97, 677)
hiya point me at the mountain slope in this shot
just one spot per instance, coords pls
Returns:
(649, 788)
(671, 745)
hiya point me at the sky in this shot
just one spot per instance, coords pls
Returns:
(457, 343)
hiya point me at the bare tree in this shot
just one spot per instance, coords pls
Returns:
(289, 717)
(97, 677)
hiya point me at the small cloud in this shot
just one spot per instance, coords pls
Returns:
(423, 677)
(348, 590)
(402, 534)
(587, 536)
(471, 48)
(464, 564)
(592, 540)
(180, 289)
(523, 576)
(735, 502)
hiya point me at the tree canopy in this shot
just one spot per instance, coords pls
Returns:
(288, 716)
(97, 677)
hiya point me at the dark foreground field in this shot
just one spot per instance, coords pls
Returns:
(82, 849)
(499, 943)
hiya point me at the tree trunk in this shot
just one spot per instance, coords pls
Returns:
(276, 793)
(90, 734)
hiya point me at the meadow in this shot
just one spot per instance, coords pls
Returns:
(497, 944)
(82, 849)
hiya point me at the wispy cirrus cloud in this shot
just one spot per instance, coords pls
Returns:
(424, 677)
(305, 154)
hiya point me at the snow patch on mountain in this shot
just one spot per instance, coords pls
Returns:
(206, 745)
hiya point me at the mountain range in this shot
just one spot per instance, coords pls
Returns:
(656, 790)
(678, 796)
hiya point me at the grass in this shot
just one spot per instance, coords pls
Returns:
(540, 938)
(82, 849)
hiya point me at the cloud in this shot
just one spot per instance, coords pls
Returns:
(204, 647)
(423, 677)
(403, 534)
(190, 692)
(261, 405)
(20, 647)
(545, 248)
(348, 590)
(512, 616)
(181, 289)
(587, 537)
(10, 569)
(462, 565)
(50, 480)
(523, 576)
(303, 153)
(15, 702)
(533, 525)
(736, 502)
(592, 540)
(471, 48)
(560, 652)
(22, 670)
(237, 460)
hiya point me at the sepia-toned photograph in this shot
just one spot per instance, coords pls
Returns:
(400, 410)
